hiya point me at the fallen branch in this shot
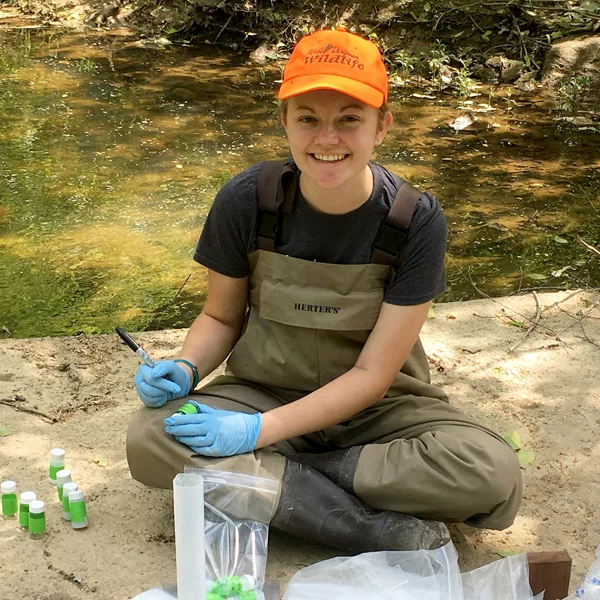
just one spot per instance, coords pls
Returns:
(526, 318)
(31, 411)
(538, 314)
(588, 247)
(222, 29)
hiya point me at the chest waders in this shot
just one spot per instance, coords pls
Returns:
(356, 484)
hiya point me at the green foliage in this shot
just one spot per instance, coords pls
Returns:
(436, 59)
(525, 457)
(572, 93)
(464, 83)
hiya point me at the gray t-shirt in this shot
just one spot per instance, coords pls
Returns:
(229, 235)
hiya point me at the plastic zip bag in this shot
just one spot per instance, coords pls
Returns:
(237, 511)
(418, 575)
(415, 575)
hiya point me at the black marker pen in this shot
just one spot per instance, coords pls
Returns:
(139, 351)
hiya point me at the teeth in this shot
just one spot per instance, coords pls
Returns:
(329, 158)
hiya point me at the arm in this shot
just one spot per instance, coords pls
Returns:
(383, 355)
(217, 328)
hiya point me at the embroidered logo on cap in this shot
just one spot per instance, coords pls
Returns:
(333, 54)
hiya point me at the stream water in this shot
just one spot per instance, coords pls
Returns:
(111, 153)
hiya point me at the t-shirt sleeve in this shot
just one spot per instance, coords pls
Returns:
(421, 276)
(229, 233)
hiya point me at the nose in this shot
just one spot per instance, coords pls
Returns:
(327, 135)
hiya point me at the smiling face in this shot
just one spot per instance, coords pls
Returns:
(332, 137)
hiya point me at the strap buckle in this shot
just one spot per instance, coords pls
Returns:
(390, 240)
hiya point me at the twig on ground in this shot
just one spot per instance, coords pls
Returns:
(538, 314)
(575, 293)
(584, 316)
(222, 29)
(550, 331)
(588, 247)
(585, 335)
(31, 411)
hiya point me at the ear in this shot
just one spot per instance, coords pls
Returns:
(383, 127)
(284, 121)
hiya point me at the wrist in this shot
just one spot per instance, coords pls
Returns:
(191, 371)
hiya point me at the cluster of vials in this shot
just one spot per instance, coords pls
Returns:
(31, 512)
(234, 588)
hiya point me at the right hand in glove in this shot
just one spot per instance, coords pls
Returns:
(166, 381)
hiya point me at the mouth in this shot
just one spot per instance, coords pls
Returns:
(329, 158)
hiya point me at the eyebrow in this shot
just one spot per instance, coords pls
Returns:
(347, 107)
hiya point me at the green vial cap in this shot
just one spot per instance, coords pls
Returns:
(189, 408)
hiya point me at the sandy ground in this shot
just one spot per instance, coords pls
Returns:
(547, 389)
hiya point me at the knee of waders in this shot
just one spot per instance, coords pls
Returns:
(148, 447)
(501, 492)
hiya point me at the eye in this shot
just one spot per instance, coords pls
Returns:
(306, 119)
(350, 119)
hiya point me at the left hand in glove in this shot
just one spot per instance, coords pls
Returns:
(214, 432)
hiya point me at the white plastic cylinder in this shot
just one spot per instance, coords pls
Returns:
(188, 499)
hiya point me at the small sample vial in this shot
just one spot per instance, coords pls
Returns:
(10, 505)
(77, 510)
(37, 520)
(251, 595)
(63, 476)
(189, 408)
(229, 586)
(248, 583)
(68, 487)
(25, 500)
(57, 462)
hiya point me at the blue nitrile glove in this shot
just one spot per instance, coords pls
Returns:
(166, 381)
(215, 432)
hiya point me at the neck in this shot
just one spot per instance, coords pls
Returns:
(342, 199)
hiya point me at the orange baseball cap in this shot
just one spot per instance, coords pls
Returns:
(336, 60)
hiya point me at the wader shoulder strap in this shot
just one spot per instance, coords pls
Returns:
(275, 189)
(393, 232)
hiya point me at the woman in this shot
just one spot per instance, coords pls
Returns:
(327, 386)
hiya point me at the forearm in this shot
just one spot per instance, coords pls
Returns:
(334, 403)
(208, 343)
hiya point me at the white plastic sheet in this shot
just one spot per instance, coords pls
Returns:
(418, 575)
(590, 588)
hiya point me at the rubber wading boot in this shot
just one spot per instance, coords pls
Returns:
(337, 465)
(314, 508)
